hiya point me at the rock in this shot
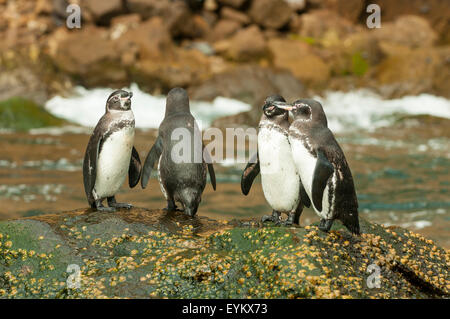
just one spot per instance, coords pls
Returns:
(149, 254)
(246, 45)
(89, 55)
(319, 24)
(270, 13)
(414, 72)
(235, 15)
(298, 58)
(349, 9)
(102, 10)
(435, 11)
(176, 14)
(223, 29)
(233, 3)
(411, 31)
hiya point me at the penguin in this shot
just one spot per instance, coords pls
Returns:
(322, 166)
(280, 181)
(181, 180)
(110, 154)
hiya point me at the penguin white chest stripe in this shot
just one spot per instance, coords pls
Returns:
(161, 185)
(306, 164)
(113, 162)
(279, 178)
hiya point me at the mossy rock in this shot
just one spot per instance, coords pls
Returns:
(22, 114)
(153, 254)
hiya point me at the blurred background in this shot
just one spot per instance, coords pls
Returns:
(385, 91)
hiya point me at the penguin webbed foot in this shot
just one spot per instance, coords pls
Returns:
(171, 207)
(274, 218)
(100, 208)
(113, 204)
(325, 225)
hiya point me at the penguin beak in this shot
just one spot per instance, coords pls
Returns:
(126, 100)
(282, 105)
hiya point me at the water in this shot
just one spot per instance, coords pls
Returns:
(398, 151)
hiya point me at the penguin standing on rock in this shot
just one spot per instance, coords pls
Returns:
(110, 154)
(279, 178)
(322, 166)
(178, 150)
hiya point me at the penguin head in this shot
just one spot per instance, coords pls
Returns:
(275, 105)
(308, 110)
(177, 101)
(119, 100)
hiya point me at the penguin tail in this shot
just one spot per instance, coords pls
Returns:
(351, 221)
(191, 200)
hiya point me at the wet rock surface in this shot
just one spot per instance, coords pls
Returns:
(152, 254)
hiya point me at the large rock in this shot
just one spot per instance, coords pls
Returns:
(299, 58)
(235, 15)
(102, 10)
(224, 29)
(246, 45)
(89, 55)
(272, 14)
(435, 11)
(349, 9)
(140, 253)
(409, 30)
(415, 71)
(176, 15)
(318, 24)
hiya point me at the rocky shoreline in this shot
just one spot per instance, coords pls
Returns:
(151, 254)
(223, 45)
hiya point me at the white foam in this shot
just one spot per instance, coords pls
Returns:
(364, 109)
(86, 106)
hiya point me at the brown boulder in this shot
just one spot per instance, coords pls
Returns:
(101, 10)
(318, 24)
(409, 30)
(235, 15)
(298, 58)
(246, 45)
(424, 70)
(223, 29)
(437, 12)
(349, 9)
(89, 55)
(272, 14)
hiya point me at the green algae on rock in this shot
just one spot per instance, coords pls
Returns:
(154, 254)
(22, 114)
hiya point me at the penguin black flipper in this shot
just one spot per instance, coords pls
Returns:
(249, 174)
(212, 174)
(152, 158)
(322, 173)
(134, 171)
(304, 198)
(90, 165)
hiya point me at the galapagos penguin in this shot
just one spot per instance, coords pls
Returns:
(110, 154)
(322, 166)
(280, 181)
(182, 178)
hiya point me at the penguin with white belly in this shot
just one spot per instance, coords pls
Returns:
(322, 166)
(280, 181)
(110, 155)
